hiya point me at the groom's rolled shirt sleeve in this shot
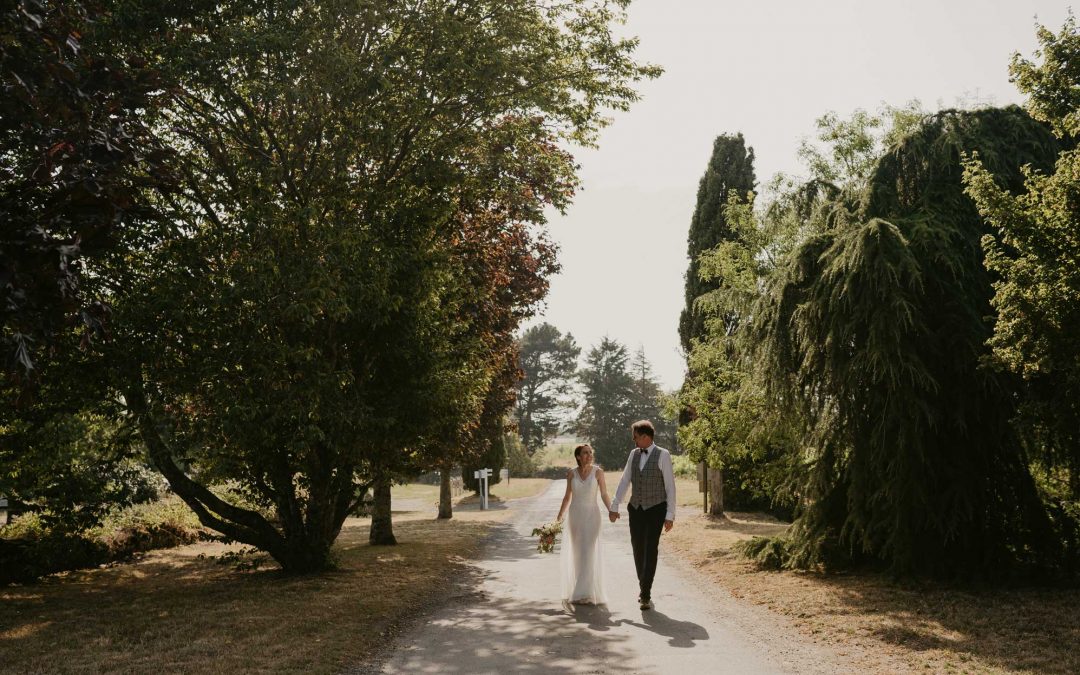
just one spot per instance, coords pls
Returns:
(669, 484)
(624, 483)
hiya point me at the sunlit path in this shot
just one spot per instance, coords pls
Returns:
(514, 621)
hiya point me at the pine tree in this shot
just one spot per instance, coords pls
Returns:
(645, 391)
(609, 402)
(548, 362)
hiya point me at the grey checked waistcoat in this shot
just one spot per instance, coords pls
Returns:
(647, 482)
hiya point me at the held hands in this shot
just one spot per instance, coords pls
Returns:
(613, 515)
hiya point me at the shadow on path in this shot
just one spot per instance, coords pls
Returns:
(595, 617)
(509, 635)
(679, 633)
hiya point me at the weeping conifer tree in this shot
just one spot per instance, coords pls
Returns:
(876, 332)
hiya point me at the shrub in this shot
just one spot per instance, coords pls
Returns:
(30, 548)
(517, 459)
(769, 553)
(162, 524)
(683, 466)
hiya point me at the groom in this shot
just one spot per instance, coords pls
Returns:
(652, 503)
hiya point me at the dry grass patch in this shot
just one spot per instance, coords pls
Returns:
(557, 454)
(415, 491)
(881, 626)
(180, 611)
(518, 488)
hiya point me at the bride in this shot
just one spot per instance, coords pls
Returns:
(582, 566)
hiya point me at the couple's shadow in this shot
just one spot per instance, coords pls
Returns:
(679, 633)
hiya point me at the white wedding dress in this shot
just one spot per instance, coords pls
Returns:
(581, 559)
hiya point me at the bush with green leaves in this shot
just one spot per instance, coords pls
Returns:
(1033, 249)
(32, 546)
(518, 461)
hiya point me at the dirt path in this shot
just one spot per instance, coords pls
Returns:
(512, 620)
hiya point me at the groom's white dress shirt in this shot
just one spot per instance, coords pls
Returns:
(665, 469)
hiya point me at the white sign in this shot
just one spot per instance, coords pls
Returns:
(482, 475)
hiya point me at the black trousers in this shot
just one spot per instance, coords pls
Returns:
(645, 528)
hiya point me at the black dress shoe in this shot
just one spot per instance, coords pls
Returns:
(646, 603)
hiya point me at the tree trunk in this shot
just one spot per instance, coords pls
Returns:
(305, 556)
(301, 545)
(382, 529)
(716, 492)
(703, 485)
(446, 507)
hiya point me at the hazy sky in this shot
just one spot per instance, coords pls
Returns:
(768, 69)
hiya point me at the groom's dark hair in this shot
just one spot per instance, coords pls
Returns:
(644, 428)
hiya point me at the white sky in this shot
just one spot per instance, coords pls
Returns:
(768, 69)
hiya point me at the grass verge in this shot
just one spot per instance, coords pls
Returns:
(883, 627)
(412, 494)
(180, 610)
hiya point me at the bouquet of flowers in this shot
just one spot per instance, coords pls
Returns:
(547, 535)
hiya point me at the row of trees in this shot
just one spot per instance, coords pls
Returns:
(598, 402)
(280, 249)
(888, 349)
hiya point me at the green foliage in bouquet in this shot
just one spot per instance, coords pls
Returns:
(548, 536)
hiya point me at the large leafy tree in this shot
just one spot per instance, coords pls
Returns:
(75, 156)
(608, 411)
(845, 151)
(77, 159)
(303, 322)
(874, 331)
(548, 361)
(1034, 252)
(503, 264)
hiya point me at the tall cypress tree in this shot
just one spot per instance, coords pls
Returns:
(731, 168)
